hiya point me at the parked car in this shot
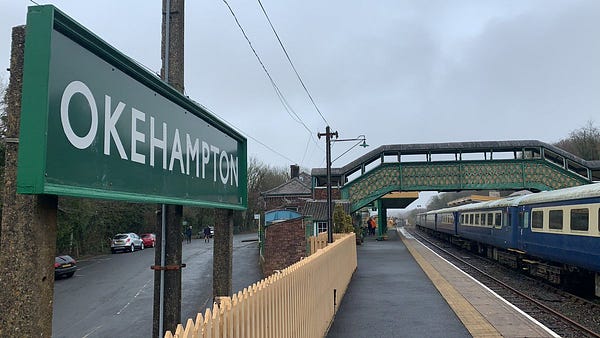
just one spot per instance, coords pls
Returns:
(126, 242)
(64, 266)
(149, 240)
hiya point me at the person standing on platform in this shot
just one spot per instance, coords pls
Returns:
(188, 234)
(207, 234)
(371, 224)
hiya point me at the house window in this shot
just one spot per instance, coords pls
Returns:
(321, 227)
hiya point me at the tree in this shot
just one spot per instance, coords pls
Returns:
(261, 177)
(583, 142)
(86, 225)
(342, 222)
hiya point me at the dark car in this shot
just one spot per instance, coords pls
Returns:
(64, 266)
(149, 240)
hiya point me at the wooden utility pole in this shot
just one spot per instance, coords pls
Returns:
(28, 236)
(167, 277)
(328, 135)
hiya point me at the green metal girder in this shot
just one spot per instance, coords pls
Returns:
(533, 174)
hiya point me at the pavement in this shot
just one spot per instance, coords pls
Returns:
(390, 296)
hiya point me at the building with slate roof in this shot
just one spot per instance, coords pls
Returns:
(290, 195)
(316, 210)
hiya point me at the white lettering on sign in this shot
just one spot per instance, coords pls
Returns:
(78, 87)
(110, 131)
(147, 137)
(137, 136)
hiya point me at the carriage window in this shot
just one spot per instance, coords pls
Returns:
(462, 219)
(471, 219)
(556, 219)
(498, 221)
(482, 219)
(490, 219)
(537, 219)
(580, 219)
(476, 219)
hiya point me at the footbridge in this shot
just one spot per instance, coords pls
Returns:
(495, 165)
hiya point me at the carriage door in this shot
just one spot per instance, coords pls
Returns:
(522, 228)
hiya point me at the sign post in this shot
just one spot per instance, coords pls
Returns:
(95, 124)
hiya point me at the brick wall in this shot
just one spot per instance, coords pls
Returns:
(285, 244)
(320, 193)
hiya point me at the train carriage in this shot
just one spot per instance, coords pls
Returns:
(563, 226)
(554, 234)
(490, 223)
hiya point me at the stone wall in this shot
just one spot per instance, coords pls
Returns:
(285, 244)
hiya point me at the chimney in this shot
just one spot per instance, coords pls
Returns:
(294, 171)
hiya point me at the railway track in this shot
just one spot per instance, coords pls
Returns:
(565, 314)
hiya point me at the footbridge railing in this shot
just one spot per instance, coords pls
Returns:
(458, 166)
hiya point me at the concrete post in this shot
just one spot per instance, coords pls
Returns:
(173, 72)
(222, 254)
(28, 236)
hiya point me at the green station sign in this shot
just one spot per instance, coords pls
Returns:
(96, 124)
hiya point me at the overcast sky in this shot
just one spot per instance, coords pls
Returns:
(398, 72)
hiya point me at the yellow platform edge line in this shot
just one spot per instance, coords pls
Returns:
(475, 323)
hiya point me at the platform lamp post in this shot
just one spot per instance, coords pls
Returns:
(328, 135)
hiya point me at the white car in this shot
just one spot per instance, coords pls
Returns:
(126, 242)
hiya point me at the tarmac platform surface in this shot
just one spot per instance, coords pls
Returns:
(402, 289)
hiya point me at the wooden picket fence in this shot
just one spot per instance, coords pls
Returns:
(320, 241)
(299, 301)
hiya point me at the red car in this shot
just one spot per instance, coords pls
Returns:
(149, 240)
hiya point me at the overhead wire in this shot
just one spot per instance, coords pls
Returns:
(287, 55)
(248, 135)
(280, 95)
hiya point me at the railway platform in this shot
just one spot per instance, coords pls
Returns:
(402, 289)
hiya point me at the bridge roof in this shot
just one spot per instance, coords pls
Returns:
(451, 148)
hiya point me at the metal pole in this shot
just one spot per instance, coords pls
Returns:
(163, 225)
(329, 211)
(163, 244)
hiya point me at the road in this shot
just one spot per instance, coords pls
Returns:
(112, 295)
